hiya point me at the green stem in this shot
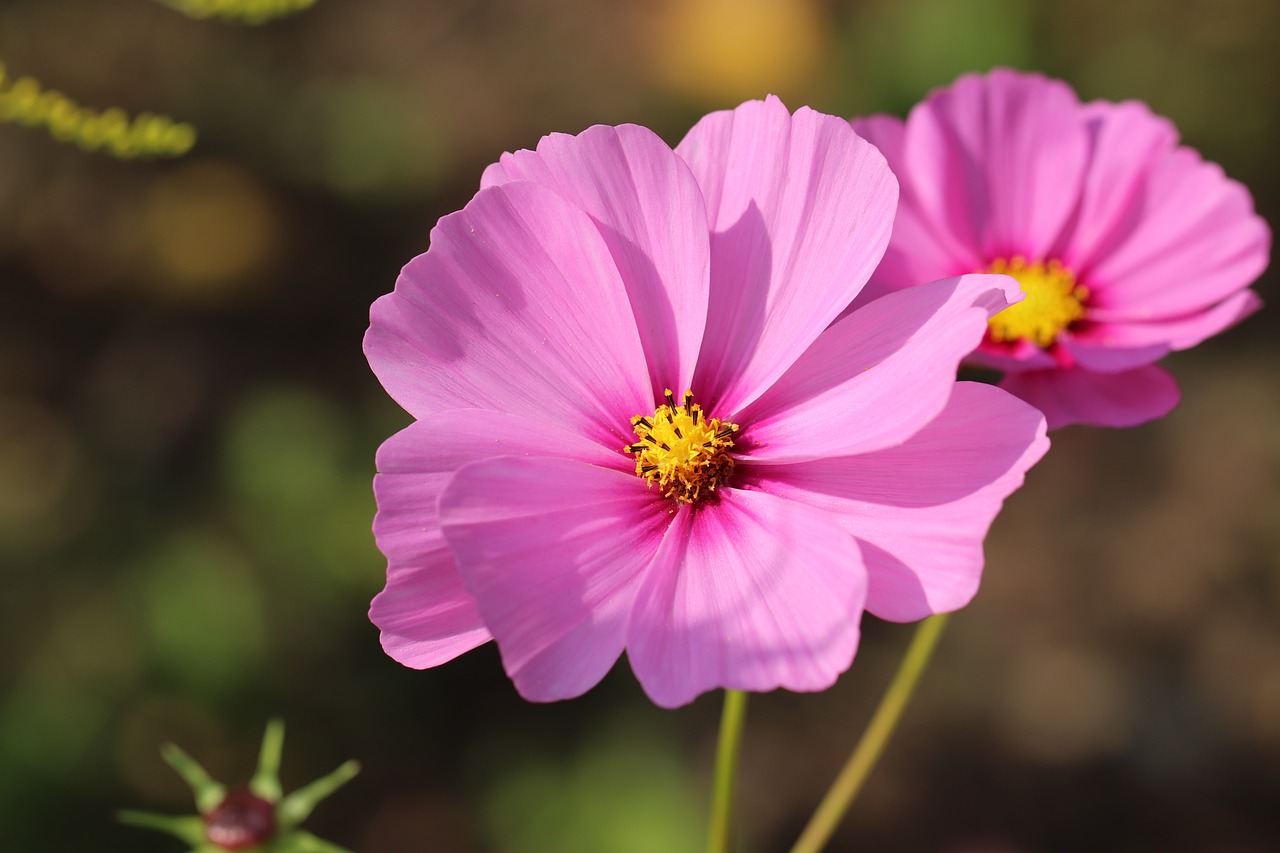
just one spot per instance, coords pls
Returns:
(731, 724)
(860, 764)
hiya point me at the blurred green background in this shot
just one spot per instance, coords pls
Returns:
(187, 431)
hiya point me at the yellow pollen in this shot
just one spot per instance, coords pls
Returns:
(682, 451)
(1053, 302)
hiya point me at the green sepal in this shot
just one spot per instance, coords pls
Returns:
(209, 793)
(266, 780)
(295, 808)
(300, 841)
(188, 828)
(290, 810)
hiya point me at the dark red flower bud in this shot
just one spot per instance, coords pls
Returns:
(242, 819)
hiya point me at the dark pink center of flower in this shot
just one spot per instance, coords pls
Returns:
(242, 819)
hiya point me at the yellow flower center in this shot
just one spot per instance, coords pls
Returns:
(683, 452)
(1053, 302)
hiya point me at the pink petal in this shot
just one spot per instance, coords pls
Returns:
(1016, 355)
(800, 210)
(1076, 396)
(1180, 332)
(750, 593)
(919, 250)
(1124, 141)
(650, 212)
(517, 307)
(426, 615)
(878, 375)
(920, 511)
(1097, 350)
(997, 160)
(1194, 242)
(1117, 346)
(552, 549)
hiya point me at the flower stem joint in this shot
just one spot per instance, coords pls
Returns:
(256, 817)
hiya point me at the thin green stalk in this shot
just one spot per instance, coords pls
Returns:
(860, 764)
(731, 725)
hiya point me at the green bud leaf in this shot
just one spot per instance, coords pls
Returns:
(208, 792)
(295, 808)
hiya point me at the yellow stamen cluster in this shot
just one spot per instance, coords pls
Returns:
(240, 11)
(25, 102)
(1053, 302)
(681, 451)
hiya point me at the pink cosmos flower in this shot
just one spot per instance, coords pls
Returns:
(1127, 245)
(638, 428)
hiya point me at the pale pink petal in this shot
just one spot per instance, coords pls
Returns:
(444, 442)
(1124, 141)
(920, 249)
(877, 375)
(996, 161)
(517, 307)
(1179, 332)
(1194, 242)
(649, 210)
(920, 511)
(750, 593)
(800, 209)
(425, 613)
(552, 549)
(1077, 396)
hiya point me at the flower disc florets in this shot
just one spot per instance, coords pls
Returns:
(1053, 302)
(682, 451)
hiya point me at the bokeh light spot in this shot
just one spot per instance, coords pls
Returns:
(210, 225)
(728, 50)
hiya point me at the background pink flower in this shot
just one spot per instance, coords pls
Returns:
(1127, 245)
(555, 310)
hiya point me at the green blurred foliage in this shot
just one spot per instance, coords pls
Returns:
(622, 790)
(204, 614)
(187, 434)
